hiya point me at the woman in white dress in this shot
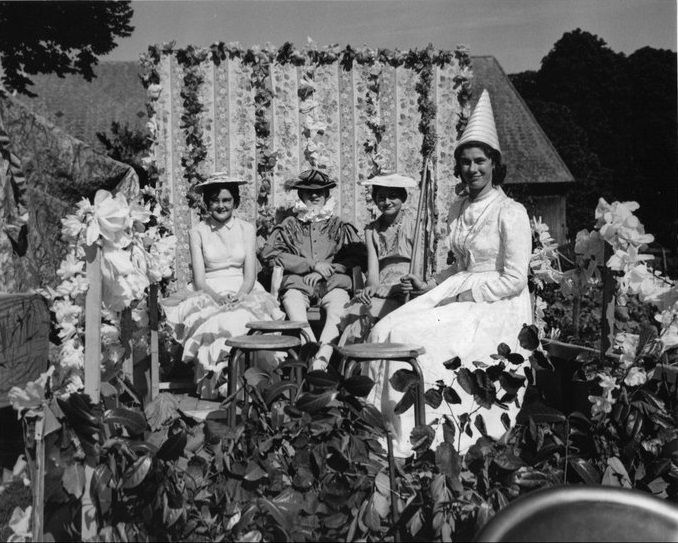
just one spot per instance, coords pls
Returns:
(225, 295)
(484, 300)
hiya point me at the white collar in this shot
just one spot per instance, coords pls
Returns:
(304, 214)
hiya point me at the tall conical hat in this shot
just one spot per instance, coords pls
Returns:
(481, 126)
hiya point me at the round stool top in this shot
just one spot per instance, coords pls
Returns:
(263, 342)
(388, 351)
(276, 326)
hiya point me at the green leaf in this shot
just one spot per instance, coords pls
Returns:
(137, 472)
(270, 394)
(451, 396)
(448, 460)
(100, 488)
(254, 376)
(403, 380)
(467, 381)
(503, 350)
(311, 402)
(405, 402)
(449, 430)
(322, 379)
(162, 411)
(73, 479)
(217, 425)
(539, 412)
(515, 358)
(422, 437)
(508, 461)
(529, 337)
(254, 472)
(373, 418)
(173, 447)
(588, 473)
(453, 363)
(433, 398)
(358, 385)
(133, 421)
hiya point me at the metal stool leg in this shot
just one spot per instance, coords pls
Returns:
(419, 402)
(233, 373)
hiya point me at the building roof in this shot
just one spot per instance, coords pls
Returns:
(83, 109)
(529, 155)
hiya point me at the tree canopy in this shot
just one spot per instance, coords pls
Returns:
(58, 37)
(613, 119)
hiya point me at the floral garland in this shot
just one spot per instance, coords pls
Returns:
(190, 59)
(463, 82)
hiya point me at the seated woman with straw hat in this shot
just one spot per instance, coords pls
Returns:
(390, 241)
(225, 295)
(482, 304)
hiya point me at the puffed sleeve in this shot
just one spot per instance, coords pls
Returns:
(280, 250)
(515, 251)
(351, 250)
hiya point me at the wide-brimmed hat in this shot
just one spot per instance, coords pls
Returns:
(392, 180)
(481, 127)
(311, 179)
(219, 178)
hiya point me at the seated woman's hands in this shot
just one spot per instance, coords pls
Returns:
(312, 279)
(411, 282)
(376, 291)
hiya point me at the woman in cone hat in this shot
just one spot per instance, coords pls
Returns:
(480, 302)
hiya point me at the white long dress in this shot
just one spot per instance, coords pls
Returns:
(198, 322)
(492, 243)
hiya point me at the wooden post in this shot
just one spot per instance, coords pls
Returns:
(88, 529)
(608, 302)
(126, 340)
(39, 481)
(153, 375)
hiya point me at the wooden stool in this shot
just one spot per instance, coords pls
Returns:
(295, 328)
(360, 353)
(241, 347)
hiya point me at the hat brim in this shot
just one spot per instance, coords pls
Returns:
(310, 186)
(202, 186)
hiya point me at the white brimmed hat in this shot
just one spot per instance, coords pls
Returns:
(391, 179)
(481, 127)
(219, 178)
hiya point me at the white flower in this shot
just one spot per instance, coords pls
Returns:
(109, 334)
(32, 396)
(601, 406)
(71, 228)
(635, 377)
(20, 524)
(607, 383)
(153, 91)
(111, 219)
(589, 245)
(70, 266)
(71, 355)
(140, 316)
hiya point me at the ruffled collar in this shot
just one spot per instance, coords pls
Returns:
(306, 214)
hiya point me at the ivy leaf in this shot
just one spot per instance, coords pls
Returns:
(493, 372)
(137, 472)
(73, 479)
(403, 379)
(337, 460)
(503, 350)
(451, 396)
(529, 337)
(453, 363)
(433, 398)
(467, 381)
(358, 385)
(511, 383)
(405, 402)
(254, 376)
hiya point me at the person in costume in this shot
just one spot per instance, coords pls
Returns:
(389, 240)
(480, 302)
(316, 250)
(224, 295)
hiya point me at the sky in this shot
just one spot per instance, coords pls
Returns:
(519, 33)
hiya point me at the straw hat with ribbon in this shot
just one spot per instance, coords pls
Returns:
(392, 180)
(219, 178)
(481, 127)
